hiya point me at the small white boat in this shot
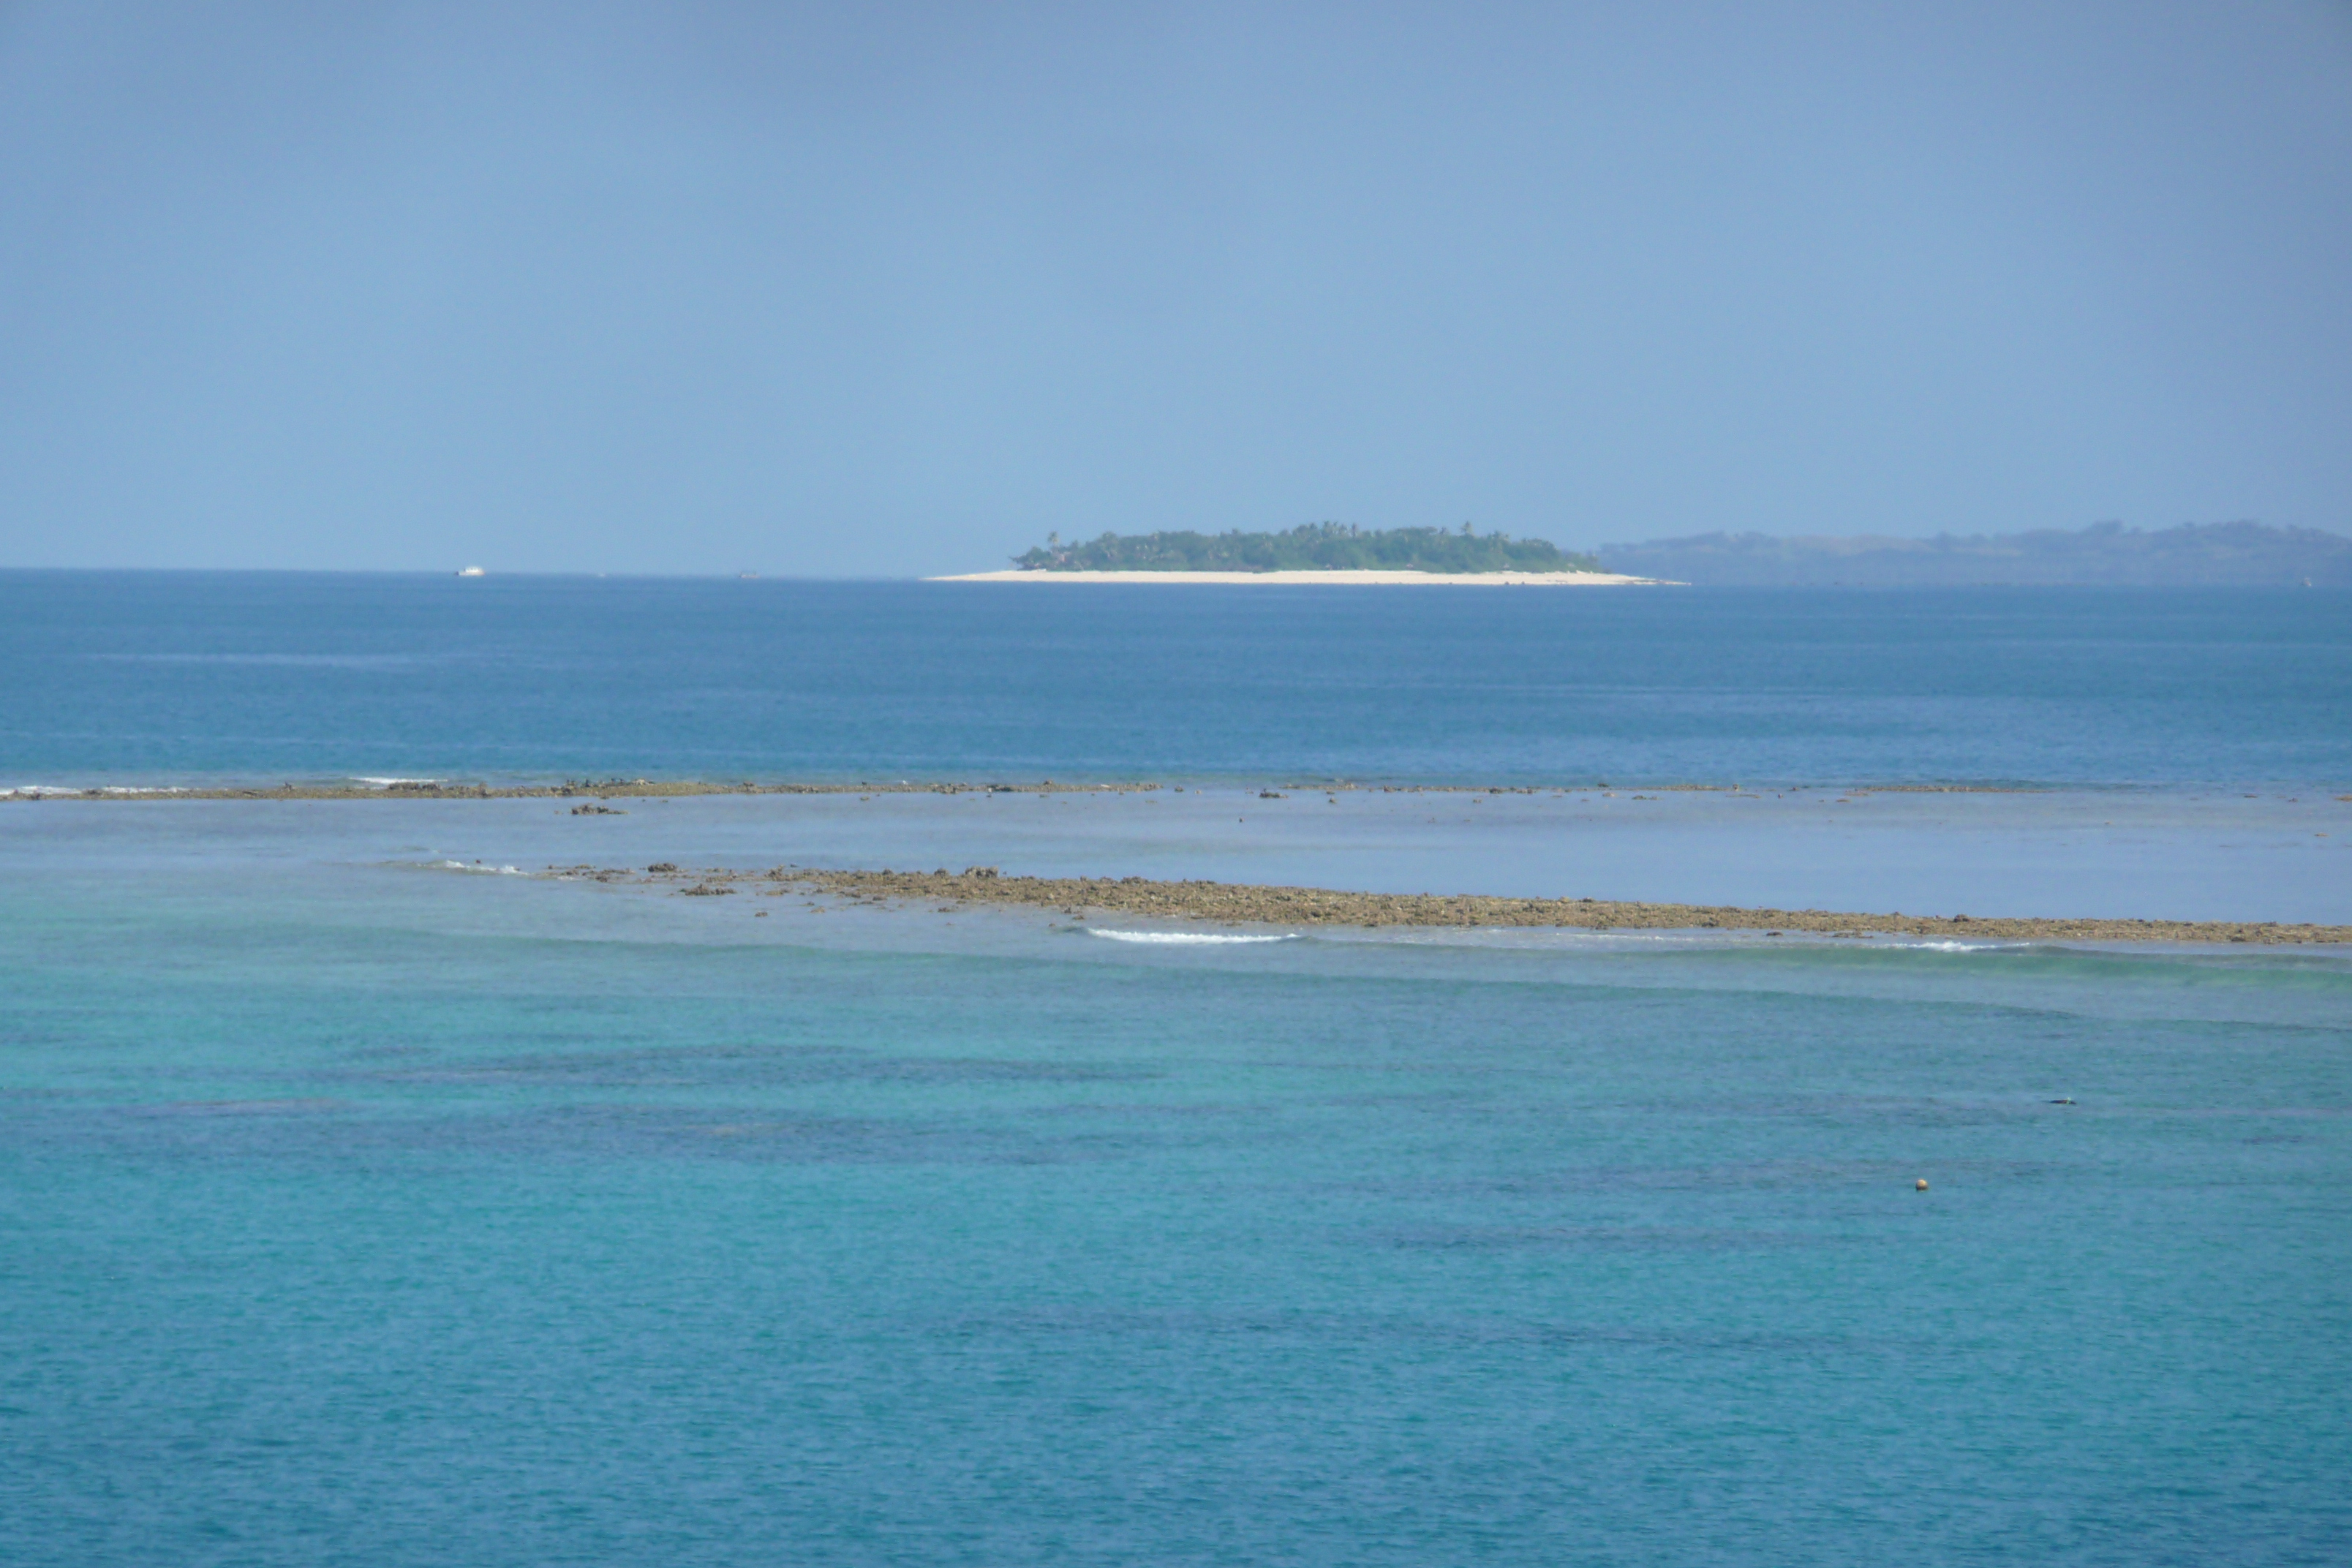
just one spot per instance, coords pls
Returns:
(471, 572)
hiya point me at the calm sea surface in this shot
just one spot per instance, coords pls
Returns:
(130, 676)
(363, 1201)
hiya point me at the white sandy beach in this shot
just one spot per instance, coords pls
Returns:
(1360, 579)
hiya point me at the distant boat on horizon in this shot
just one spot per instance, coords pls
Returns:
(471, 572)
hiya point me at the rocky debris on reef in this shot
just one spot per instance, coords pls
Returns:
(1242, 904)
(448, 789)
(650, 789)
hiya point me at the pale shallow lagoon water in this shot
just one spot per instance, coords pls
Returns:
(360, 1207)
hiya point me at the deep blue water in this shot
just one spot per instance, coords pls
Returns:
(130, 676)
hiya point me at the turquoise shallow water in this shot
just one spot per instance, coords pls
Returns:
(361, 1201)
(355, 1212)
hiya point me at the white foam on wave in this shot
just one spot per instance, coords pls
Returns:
(479, 870)
(387, 784)
(1185, 938)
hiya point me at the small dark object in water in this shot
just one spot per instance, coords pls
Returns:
(659, 866)
(2066, 1100)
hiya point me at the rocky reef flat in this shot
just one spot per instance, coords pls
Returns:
(593, 789)
(1242, 904)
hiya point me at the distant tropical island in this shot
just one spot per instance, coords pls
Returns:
(1311, 547)
(2106, 554)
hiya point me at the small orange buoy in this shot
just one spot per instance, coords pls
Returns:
(1920, 1185)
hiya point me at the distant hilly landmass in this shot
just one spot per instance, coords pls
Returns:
(1311, 547)
(2106, 554)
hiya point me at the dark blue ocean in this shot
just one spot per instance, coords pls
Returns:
(372, 1192)
(262, 676)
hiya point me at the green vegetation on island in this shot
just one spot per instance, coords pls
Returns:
(1310, 547)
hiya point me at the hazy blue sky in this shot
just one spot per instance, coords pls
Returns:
(884, 290)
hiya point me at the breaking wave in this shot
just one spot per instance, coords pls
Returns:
(1185, 938)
